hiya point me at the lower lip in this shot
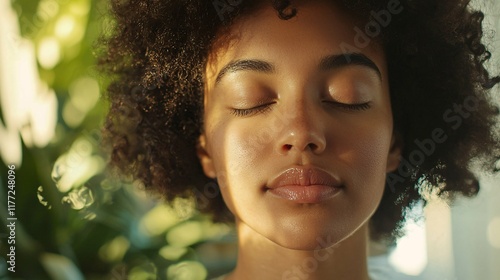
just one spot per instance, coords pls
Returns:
(305, 194)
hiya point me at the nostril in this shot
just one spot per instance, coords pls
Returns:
(287, 147)
(313, 146)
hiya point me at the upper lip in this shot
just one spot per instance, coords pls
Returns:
(304, 176)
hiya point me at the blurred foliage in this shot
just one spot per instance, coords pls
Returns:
(73, 221)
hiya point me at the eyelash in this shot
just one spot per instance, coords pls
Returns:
(264, 108)
(351, 107)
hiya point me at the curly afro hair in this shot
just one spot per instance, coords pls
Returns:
(441, 95)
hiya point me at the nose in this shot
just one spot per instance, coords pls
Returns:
(303, 132)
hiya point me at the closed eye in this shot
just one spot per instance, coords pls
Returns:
(244, 112)
(350, 107)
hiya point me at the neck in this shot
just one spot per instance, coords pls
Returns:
(260, 258)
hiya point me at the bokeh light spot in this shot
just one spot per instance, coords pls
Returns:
(77, 166)
(71, 115)
(185, 234)
(172, 253)
(158, 220)
(44, 118)
(494, 232)
(114, 250)
(146, 271)
(10, 146)
(49, 52)
(84, 94)
(187, 270)
(65, 26)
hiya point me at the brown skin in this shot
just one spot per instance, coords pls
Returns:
(297, 125)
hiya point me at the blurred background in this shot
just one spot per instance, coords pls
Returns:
(74, 222)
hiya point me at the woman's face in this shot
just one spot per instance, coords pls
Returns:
(297, 131)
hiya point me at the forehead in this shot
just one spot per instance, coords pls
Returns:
(319, 29)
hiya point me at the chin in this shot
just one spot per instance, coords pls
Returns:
(308, 239)
(318, 243)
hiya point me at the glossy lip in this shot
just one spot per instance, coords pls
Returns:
(304, 185)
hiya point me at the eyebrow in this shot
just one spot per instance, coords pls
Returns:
(327, 63)
(247, 64)
(342, 60)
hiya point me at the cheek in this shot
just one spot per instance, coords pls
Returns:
(246, 144)
(237, 149)
(364, 158)
(238, 152)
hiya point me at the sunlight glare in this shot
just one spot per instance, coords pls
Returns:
(410, 254)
